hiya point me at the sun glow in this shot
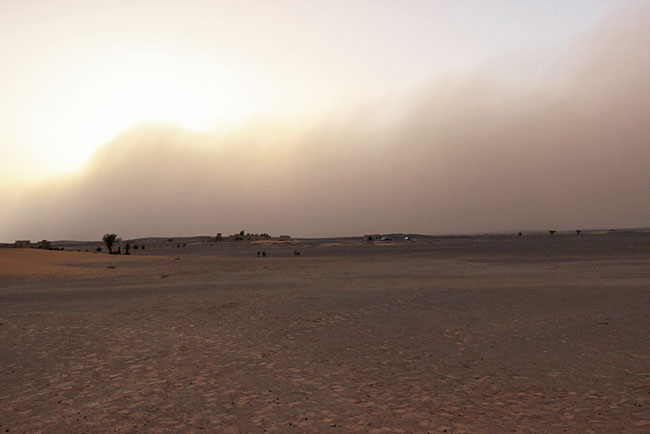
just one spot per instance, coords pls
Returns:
(196, 94)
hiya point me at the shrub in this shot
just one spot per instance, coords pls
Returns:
(109, 240)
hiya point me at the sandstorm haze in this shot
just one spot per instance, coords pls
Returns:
(323, 119)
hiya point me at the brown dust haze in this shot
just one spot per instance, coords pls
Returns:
(458, 155)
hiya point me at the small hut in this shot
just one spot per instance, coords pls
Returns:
(44, 244)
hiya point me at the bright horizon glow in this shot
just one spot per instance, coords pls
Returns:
(140, 89)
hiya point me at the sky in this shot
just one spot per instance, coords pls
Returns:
(332, 118)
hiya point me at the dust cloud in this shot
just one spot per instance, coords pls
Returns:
(459, 155)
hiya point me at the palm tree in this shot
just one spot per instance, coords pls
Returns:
(109, 240)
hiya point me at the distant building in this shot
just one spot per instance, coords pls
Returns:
(22, 244)
(285, 238)
(44, 244)
(248, 237)
(372, 237)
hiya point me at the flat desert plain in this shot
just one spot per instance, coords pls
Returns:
(494, 334)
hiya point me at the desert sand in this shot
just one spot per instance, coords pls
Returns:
(461, 334)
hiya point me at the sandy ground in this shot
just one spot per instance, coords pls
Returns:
(483, 334)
